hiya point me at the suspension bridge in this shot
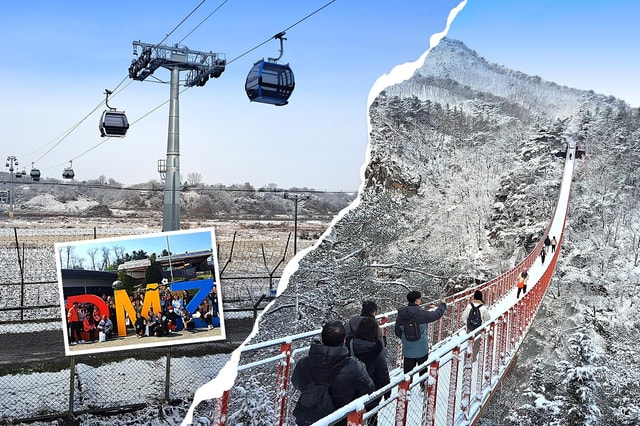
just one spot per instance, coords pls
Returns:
(453, 386)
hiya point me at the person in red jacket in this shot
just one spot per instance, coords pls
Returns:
(75, 325)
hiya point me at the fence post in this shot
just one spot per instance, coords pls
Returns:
(283, 383)
(167, 378)
(256, 306)
(72, 384)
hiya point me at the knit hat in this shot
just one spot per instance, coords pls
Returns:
(477, 295)
(412, 296)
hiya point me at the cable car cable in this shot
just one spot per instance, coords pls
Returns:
(285, 30)
(67, 133)
(202, 22)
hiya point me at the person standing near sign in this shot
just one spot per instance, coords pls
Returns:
(75, 325)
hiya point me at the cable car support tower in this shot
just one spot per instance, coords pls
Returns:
(200, 66)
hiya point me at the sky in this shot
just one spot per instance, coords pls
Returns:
(59, 57)
(177, 242)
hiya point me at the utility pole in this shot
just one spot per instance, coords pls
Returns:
(295, 198)
(201, 67)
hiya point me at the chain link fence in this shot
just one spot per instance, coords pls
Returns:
(41, 385)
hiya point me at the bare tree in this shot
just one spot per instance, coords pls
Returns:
(194, 179)
(92, 252)
(106, 251)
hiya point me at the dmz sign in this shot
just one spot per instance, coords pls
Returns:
(151, 300)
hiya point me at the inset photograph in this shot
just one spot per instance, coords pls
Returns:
(146, 290)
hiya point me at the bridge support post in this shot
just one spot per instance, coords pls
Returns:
(432, 393)
(480, 366)
(503, 335)
(467, 370)
(356, 418)
(453, 378)
(282, 384)
(220, 410)
(491, 353)
(401, 405)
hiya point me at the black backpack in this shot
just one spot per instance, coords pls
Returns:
(412, 330)
(475, 318)
(315, 401)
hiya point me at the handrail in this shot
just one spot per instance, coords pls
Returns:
(466, 383)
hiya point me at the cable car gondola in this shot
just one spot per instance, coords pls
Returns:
(270, 82)
(112, 122)
(67, 173)
(35, 173)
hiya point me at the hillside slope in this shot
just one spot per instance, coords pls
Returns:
(460, 185)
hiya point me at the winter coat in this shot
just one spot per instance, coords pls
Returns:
(418, 348)
(522, 281)
(351, 378)
(372, 354)
(106, 326)
(351, 325)
(484, 312)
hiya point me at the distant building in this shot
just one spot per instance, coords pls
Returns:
(183, 265)
(186, 265)
(81, 281)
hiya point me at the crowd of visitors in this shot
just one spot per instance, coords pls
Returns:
(350, 360)
(87, 324)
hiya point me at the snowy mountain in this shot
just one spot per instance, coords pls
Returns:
(462, 179)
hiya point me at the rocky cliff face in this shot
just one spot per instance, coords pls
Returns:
(462, 180)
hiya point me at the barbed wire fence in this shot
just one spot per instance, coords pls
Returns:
(42, 384)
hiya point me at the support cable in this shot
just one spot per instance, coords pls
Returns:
(115, 91)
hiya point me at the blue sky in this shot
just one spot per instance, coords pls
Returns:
(177, 242)
(58, 57)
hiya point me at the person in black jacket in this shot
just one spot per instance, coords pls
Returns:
(369, 309)
(547, 244)
(368, 348)
(416, 352)
(329, 362)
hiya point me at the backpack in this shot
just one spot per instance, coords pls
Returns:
(475, 318)
(412, 330)
(315, 402)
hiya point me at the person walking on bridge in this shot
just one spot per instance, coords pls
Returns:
(523, 279)
(369, 310)
(328, 368)
(473, 316)
(547, 244)
(411, 327)
(554, 243)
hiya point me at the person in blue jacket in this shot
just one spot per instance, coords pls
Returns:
(415, 352)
